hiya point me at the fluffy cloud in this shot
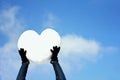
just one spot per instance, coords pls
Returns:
(11, 27)
(73, 44)
(75, 50)
(50, 21)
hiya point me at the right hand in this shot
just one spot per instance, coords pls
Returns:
(55, 52)
(22, 54)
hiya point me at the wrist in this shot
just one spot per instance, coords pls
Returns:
(53, 61)
(26, 62)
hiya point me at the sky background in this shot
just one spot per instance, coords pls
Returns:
(89, 30)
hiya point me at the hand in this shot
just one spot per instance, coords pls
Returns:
(55, 52)
(22, 53)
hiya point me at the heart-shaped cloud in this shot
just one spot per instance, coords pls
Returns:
(38, 46)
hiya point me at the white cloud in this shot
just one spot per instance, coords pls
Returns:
(50, 20)
(76, 50)
(11, 27)
(79, 46)
(82, 48)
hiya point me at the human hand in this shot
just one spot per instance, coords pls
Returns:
(22, 54)
(55, 52)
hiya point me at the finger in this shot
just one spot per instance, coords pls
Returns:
(51, 50)
(59, 47)
(22, 49)
(54, 47)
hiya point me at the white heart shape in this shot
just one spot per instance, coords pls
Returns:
(38, 46)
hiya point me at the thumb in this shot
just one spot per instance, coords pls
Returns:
(51, 50)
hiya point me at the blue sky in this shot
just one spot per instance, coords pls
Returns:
(89, 30)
